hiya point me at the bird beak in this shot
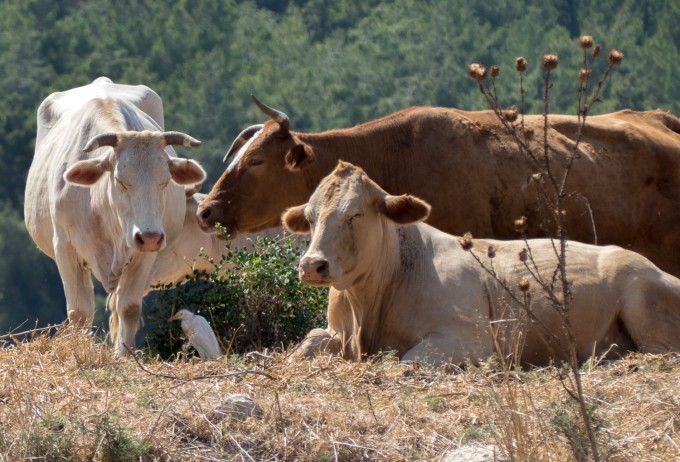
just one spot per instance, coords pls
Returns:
(174, 317)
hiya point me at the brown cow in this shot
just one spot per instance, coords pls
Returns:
(398, 284)
(470, 170)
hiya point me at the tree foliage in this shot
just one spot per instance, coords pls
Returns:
(326, 64)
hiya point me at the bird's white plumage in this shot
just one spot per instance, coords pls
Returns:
(199, 334)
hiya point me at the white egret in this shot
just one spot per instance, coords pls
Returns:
(199, 333)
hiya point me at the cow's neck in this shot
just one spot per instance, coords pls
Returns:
(372, 296)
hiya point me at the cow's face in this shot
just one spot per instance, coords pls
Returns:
(263, 177)
(350, 218)
(141, 181)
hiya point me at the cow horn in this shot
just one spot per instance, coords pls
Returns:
(278, 116)
(241, 139)
(105, 139)
(190, 190)
(178, 138)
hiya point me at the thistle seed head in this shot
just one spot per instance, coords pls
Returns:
(477, 71)
(520, 64)
(586, 41)
(510, 114)
(596, 51)
(466, 241)
(521, 225)
(550, 61)
(523, 255)
(523, 285)
(615, 57)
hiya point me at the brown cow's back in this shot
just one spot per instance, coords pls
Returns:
(470, 169)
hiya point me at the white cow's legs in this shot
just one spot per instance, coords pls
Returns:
(78, 286)
(128, 303)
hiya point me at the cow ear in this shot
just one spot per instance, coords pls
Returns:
(87, 172)
(295, 221)
(405, 209)
(186, 171)
(298, 157)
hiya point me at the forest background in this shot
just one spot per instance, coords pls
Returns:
(326, 63)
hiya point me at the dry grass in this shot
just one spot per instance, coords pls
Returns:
(66, 397)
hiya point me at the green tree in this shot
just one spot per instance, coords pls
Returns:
(23, 277)
(326, 64)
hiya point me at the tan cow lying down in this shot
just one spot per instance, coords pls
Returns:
(400, 284)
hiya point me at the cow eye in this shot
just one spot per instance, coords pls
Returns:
(252, 162)
(123, 185)
(356, 215)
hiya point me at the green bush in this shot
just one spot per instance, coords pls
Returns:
(48, 440)
(113, 442)
(253, 299)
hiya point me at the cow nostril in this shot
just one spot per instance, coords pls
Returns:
(139, 240)
(205, 214)
(149, 241)
(314, 267)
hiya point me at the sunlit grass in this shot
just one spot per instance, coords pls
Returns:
(67, 397)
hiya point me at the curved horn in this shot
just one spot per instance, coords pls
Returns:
(190, 190)
(178, 138)
(105, 139)
(241, 139)
(278, 116)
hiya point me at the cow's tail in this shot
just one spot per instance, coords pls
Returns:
(111, 303)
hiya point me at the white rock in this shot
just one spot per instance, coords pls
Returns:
(237, 407)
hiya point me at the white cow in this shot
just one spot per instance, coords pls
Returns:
(105, 193)
(400, 284)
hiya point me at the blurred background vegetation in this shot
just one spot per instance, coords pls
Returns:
(326, 63)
